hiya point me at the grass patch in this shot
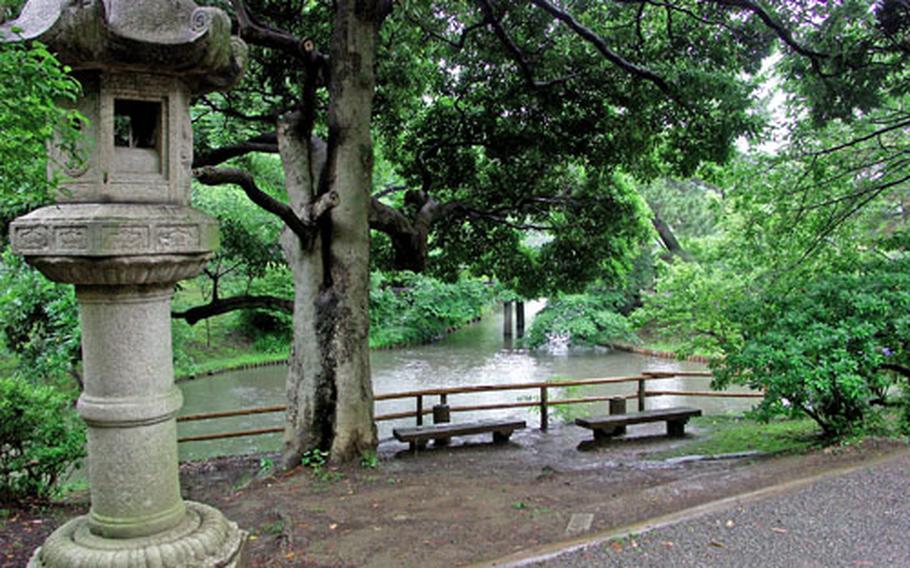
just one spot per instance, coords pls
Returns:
(227, 360)
(728, 435)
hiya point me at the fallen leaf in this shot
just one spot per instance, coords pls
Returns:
(668, 544)
(730, 524)
(616, 546)
(716, 544)
(333, 526)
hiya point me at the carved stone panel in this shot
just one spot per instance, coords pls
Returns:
(117, 238)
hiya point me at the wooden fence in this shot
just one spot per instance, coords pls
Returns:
(544, 402)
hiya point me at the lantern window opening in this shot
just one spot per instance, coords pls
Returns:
(137, 124)
(139, 136)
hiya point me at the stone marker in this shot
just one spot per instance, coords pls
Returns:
(123, 233)
(579, 523)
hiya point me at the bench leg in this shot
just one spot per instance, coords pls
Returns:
(676, 428)
(605, 434)
(414, 446)
(441, 441)
(501, 437)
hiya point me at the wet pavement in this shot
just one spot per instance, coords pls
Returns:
(858, 518)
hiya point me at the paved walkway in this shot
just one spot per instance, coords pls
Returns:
(859, 518)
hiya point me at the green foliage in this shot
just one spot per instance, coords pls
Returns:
(823, 349)
(408, 308)
(904, 417)
(41, 438)
(314, 459)
(33, 85)
(691, 306)
(584, 319)
(266, 465)
(369, 459)
(729, 435)
(40, 323)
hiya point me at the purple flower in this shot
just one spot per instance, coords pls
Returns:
(886, 351)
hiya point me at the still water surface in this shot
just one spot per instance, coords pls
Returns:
(474, 355)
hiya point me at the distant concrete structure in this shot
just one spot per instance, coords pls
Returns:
(519, 319)
(122, 231)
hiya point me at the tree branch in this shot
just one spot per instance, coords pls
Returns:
(218, 307)
(598, 42)
(265, 36)
(515, 52)
(782, 32)
(221, 176)
(267, 143)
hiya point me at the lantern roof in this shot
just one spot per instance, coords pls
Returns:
(175, 37)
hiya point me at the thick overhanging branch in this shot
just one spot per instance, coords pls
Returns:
(221, 306)
(458, 44)
(598, 42)
(267, 143)
(784, 34)
(409, 236)
(221, 176)
(388, 220)
(266, 36)
(513, 50)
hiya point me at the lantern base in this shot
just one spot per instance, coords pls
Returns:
(204, 539)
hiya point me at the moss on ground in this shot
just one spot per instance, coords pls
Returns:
(728, 435)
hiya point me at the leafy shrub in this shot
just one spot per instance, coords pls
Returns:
(826, 349)
(586, 319)
(412, 309)
(40, 322)
(41, 437)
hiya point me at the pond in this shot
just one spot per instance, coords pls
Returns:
(476, 354)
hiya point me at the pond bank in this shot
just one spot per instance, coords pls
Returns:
(656, 353)
(270, 360)
(467, 503)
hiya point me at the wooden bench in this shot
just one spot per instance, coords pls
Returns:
(606, 427)
(419, 435)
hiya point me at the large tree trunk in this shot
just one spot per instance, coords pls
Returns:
(330, 395)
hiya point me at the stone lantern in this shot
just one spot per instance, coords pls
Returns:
(122, 231)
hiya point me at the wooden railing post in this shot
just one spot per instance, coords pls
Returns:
(420, 410)
(441, 415)
(544, 410)
(641, 395)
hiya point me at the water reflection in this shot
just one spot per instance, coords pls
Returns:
(474, 355)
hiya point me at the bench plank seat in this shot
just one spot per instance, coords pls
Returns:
(501, 429)
(607, 426)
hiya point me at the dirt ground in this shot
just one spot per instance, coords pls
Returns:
(458, 505)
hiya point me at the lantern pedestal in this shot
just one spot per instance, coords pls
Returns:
(202, 538)
(124, 260)
(123, 234)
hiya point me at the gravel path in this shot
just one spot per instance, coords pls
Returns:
(861, 518)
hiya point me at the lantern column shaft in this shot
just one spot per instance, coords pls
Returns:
(130, 404)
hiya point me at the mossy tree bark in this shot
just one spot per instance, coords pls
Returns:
(330, 396)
